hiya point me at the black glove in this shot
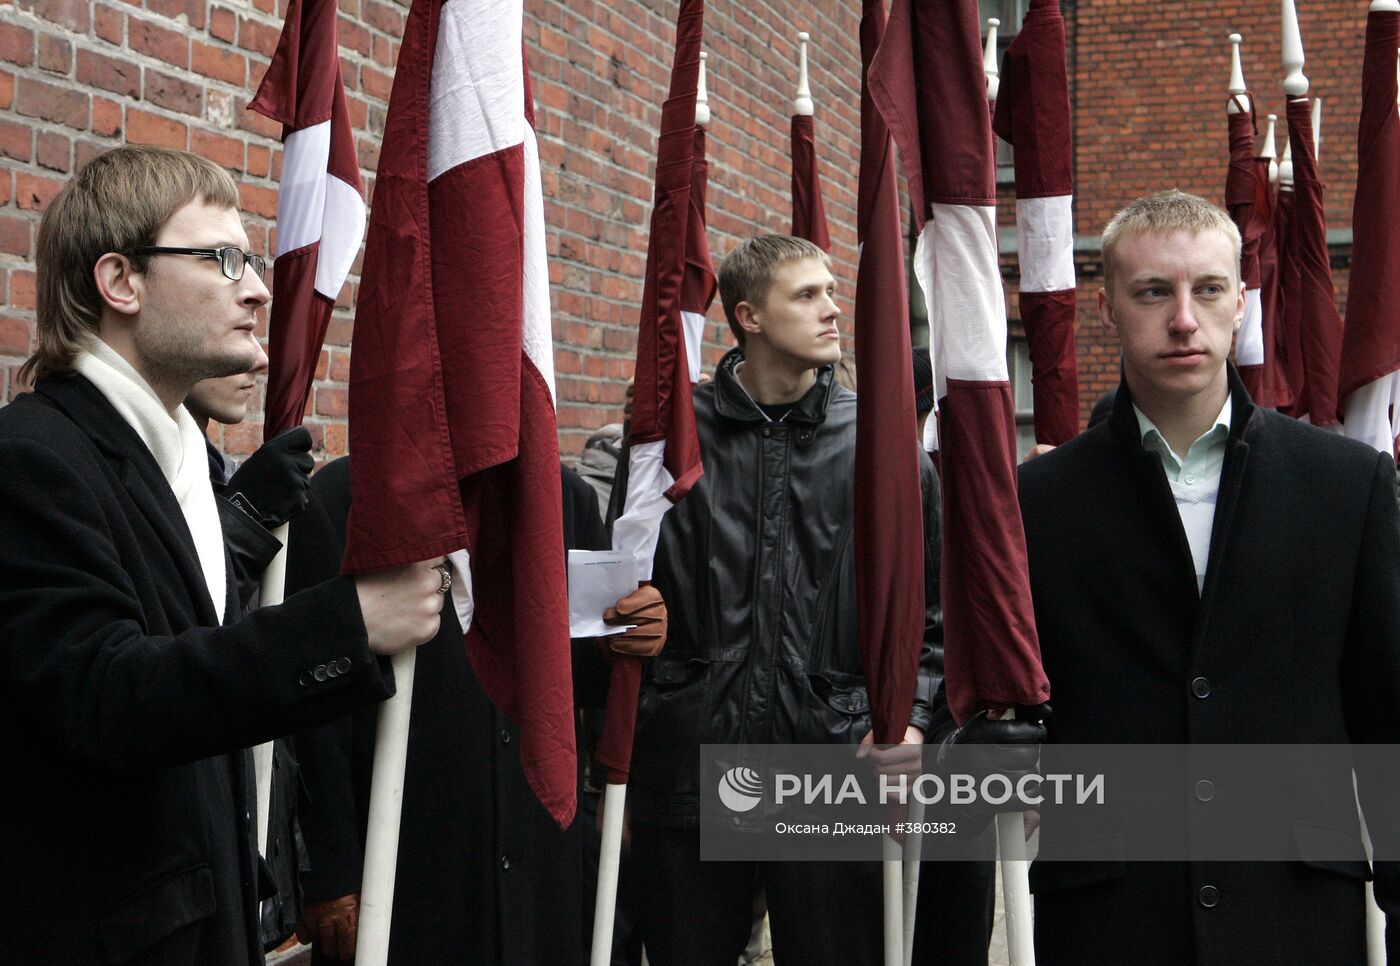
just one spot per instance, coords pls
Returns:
(1008, 746)
(273, 484)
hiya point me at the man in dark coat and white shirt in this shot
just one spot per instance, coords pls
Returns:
(1208, 572)
(126, 706)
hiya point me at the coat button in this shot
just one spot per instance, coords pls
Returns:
(1200, 688)
(505, 736)
(305, 679)
(343, 664)
(1209, 896)
(320, 673)
(333, 670)
(1205, 790)
(505, 862)
(767, 432)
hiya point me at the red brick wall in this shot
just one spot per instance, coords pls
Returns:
(80, 76)
(1148, 88)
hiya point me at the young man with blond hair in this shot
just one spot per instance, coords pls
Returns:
(757, 568)
(127, 704)
(1209, 572)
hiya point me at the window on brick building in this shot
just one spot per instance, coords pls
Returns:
(1018, 361)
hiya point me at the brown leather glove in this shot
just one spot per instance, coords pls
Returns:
(332, 926)
(645, 608)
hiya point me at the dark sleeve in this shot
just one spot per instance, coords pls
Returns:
(930, 713)
(251, 548)
(1371, 678)
(91, 674)
(335, 758)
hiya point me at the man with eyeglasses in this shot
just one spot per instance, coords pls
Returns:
(129, 693)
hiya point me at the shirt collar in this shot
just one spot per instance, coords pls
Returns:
(1152, 437)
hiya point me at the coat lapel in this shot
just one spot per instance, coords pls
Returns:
(140, 476)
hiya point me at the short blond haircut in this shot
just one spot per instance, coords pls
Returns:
(1166, 211)
(118, 202)
(747, 272)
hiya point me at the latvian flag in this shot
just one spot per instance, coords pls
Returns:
(1032, 114)
(1370, 387)
(320, 211)
(452, 378)
(698, 287)
(938, 116)
(663, 448)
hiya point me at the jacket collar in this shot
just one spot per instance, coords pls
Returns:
(1125, 425)
(732, 400)
(78, 399)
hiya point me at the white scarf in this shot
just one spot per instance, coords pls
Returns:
(178, 448)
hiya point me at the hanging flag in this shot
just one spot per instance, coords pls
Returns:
(663, 448)
(1241, 199)
(321, 208)
(1287, 344)
(937, 114)
(889, 531)
(698, 286)
(1319, 324)
(1032, 114)
(1263, 225)
(808, 210)
(452, 378)
(1370, 363)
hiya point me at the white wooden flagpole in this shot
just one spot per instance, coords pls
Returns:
(271, 591)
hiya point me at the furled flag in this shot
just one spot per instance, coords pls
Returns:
(1032, 114)
(452, 378)
(1287, 344)
(808, 210)
(938, 117)
(1241, 199)
(698, 287)
(663, 448)
(320, 211)
(889, 531)
(1370, 386)
(1319, 332)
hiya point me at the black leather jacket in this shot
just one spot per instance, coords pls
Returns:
(757, 566)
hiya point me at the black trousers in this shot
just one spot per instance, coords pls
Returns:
(957, 901)
(697, 913)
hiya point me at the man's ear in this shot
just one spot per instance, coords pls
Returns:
(117, 283)
(1240, 308)
(747, 318)
(1106, 312)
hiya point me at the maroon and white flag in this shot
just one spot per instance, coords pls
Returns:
(321, 208)
(452, 378)
(937, 114)
(889, 531)
(698, 287)
(663, 447)
(808, 209)
(1287, 345)
(1319, 324)
(1032, 114)
(1370, 365)
(1242, 200)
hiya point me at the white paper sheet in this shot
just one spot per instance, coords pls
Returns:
(598, 579)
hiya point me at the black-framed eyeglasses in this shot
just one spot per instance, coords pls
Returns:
(231, 260)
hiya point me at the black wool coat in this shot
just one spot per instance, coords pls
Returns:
(126, 709)
(484, 874)
(1295, 638)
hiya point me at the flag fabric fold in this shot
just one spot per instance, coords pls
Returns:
(888, 503)
(928, 83)
(1309, 301)
(808, 209)
(699, 284)
(663, 447)
(1370, 361)
(1242, 201)
(1033, 115)
(320, 209)
(452, 382)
